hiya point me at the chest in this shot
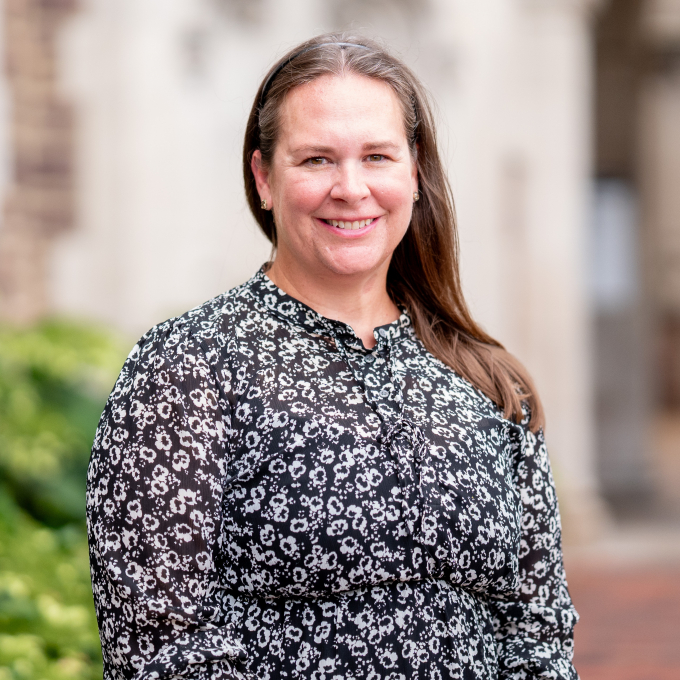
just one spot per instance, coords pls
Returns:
(346, 472)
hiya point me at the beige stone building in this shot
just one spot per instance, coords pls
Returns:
(120, 130)
(637, 236)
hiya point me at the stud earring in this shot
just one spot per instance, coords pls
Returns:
(416, 196)
(263, 204)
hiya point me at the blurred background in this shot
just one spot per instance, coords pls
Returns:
(121, 124)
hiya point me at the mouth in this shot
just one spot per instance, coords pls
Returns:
(350, 225)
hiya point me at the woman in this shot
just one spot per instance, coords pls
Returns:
(330, 471)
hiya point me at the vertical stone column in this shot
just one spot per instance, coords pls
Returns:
(39, 201)
(659, 170)
(620, 314)
(556, 82)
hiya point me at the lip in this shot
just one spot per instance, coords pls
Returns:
(350, 233)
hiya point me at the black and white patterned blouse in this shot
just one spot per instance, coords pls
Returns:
(269, 499)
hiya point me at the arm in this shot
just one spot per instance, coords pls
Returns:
(154, 513)
(534, 629)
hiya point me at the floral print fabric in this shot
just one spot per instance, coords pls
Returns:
(269, 499)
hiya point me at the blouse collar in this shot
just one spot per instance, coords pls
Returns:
(293, 311)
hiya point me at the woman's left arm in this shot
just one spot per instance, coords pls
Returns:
(534, 628)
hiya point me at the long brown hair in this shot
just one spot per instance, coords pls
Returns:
(424, 274)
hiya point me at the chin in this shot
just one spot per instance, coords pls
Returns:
(353, 264)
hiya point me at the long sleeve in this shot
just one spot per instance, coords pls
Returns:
(534, 630)
(154, 498)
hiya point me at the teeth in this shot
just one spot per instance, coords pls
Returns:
(360, 224)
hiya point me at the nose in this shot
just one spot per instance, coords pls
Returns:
(350, 184)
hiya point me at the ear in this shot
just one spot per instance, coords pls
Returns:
(261, 174)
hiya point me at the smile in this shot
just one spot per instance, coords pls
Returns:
(357, 224)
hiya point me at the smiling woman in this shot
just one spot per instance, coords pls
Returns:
(331, 471)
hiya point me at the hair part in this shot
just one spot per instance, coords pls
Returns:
(423, 276)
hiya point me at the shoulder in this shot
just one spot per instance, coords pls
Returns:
(197, 340)
(207, 321)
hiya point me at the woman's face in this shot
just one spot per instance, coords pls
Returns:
(342, 179)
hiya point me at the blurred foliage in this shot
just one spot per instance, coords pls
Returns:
(54, 380)
(47, 622)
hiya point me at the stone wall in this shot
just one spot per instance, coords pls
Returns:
(39, 203)
(162, 89)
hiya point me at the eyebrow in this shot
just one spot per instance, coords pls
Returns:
(380, 145)
(321, 150)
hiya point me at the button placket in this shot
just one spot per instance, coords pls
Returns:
(401, 439)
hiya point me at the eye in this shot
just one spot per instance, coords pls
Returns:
(376, 157)
(318, 160)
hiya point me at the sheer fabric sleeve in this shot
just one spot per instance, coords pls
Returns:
(154, 497)
(534, 629)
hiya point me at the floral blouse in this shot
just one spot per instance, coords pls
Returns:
(269, 499)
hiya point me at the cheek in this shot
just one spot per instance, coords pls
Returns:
(395, 193)
(303, 195)
(397, 198)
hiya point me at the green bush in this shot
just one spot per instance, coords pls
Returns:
(53, 384)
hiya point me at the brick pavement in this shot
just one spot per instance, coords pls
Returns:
(630, 620)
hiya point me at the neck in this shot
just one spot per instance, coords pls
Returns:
(361, 301)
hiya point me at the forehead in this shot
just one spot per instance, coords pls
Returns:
(337, 109)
